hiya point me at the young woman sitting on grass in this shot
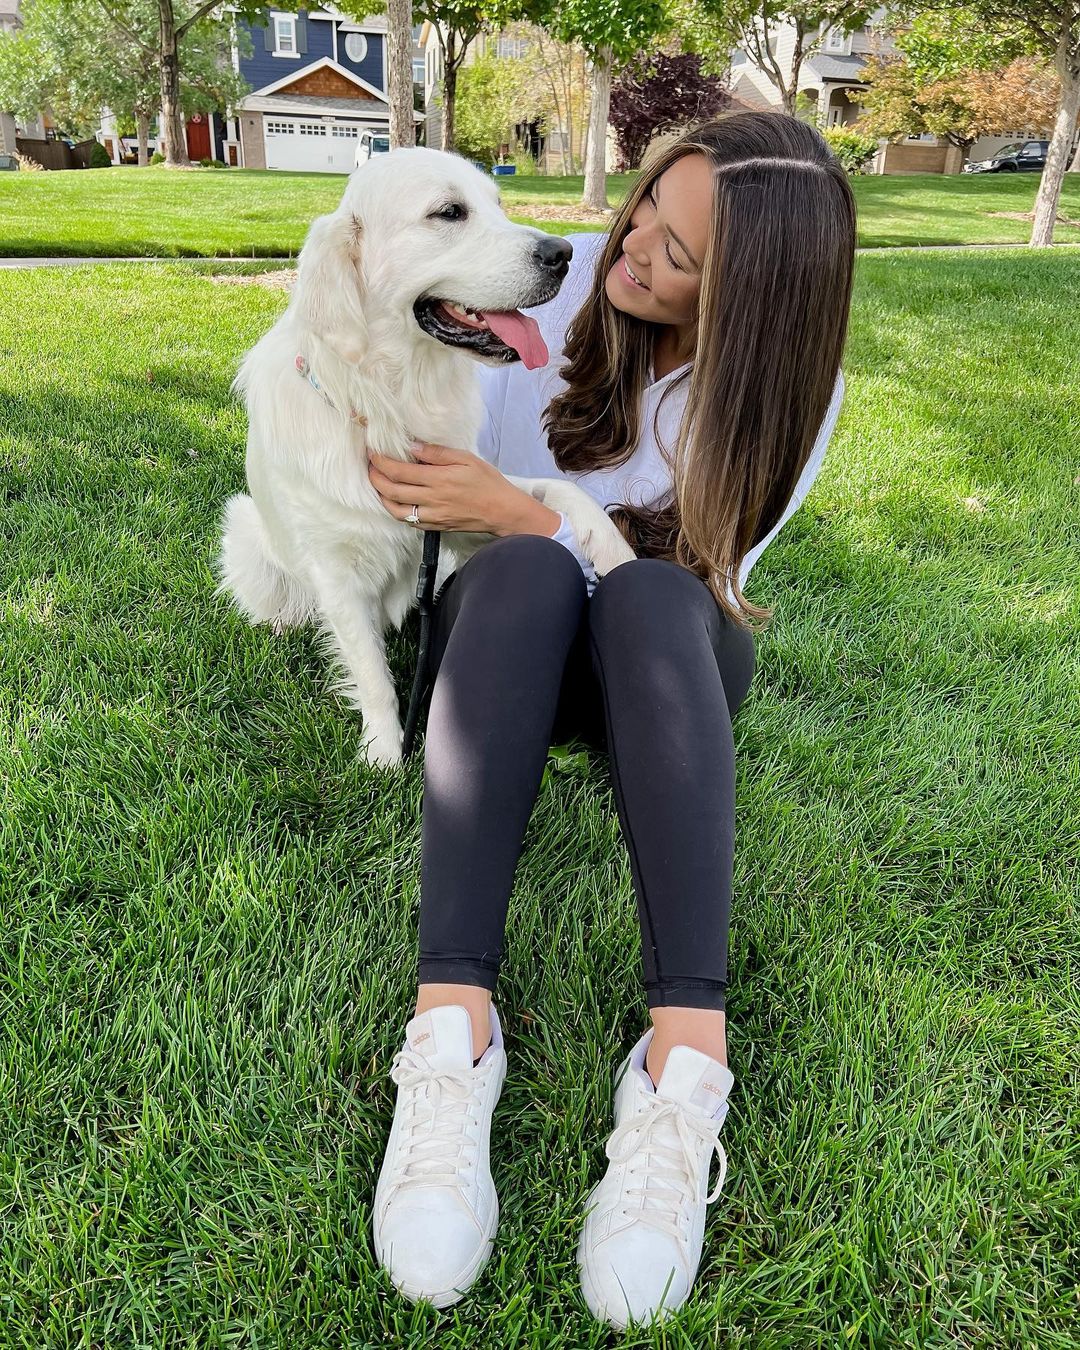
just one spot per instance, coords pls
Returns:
(693, 385)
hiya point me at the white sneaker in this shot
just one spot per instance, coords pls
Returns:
(641, 1243)
(436, 1209)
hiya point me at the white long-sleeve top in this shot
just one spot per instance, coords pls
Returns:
(512, 436)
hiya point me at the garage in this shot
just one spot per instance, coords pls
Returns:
(310, 144)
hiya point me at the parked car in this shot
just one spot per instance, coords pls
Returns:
(371, 143)
(1021, 156)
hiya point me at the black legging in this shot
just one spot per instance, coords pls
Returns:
(525, 659)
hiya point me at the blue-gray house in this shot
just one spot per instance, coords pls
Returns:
(318, 79)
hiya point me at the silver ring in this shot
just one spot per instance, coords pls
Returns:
(414, 518)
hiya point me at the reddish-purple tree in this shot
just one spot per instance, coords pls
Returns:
(660, 93)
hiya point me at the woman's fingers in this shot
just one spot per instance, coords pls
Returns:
(403, 471)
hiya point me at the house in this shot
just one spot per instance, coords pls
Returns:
(830, 82)
(318, 79)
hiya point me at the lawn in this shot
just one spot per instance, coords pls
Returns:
(241, 213)
(210, 906)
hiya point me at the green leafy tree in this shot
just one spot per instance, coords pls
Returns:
(76, 57)
(188, 49)
(611, 35)
(491, 98)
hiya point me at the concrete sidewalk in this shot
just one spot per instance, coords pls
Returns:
(16, 264)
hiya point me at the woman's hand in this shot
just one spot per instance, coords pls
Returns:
(456, 490)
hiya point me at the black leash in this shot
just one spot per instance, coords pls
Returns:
(425, 593)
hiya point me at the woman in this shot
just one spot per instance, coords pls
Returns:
(693, 386)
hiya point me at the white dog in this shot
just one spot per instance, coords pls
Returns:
(416, 272)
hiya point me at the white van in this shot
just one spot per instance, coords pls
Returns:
(371, 143)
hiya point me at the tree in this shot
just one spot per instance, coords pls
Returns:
(755, 26)
(156, 29)
(660, 92)
(399, 78)
(611, 35)
(554, 84)
(77, 58)
(1053, 29)
(491, 98)
(959, 107)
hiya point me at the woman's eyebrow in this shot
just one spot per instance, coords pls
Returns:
(654, 188)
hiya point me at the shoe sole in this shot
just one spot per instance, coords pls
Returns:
(445, 1298)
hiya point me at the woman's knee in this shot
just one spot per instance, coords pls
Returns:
(646, 591)
(525, 571)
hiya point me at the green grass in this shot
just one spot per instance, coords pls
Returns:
(242, 213)
(209, 907)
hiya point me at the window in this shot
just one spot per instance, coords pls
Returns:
(280, 128)
(418, 70)
(738, 58)
(285, 34)
(511, 49)
(838, 42)
(312, 128)
(345, 133)
(355, 47)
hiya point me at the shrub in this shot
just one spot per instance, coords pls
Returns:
(99, 157)
(157, 157)
(852, 148)
(659, 93)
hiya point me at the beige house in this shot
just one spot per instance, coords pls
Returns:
(831, 81)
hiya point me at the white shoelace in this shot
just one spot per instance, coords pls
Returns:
(670, 1164)
(435, 1126)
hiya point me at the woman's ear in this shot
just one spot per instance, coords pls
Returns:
(329, 284)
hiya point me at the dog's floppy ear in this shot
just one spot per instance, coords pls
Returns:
(329, 284)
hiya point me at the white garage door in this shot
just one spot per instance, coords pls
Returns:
(310, 145)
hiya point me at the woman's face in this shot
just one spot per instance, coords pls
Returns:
(658, 276)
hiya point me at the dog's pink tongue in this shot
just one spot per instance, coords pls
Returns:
(521, 332)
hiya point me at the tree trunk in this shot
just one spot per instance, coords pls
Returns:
(599, 102)
(170, 118)
(1046, 203)
(449, 91)
(142, 124)
(1074, 167)
(399, 85)
(790, 92)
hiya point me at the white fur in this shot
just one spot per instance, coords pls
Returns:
(313, 542)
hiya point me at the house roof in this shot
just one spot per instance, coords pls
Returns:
(314, 105)
(324, 63)
(356, 106)
(836, 67)
(374, 23)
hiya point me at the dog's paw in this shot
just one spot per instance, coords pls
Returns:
(381, 747)
(606, 549)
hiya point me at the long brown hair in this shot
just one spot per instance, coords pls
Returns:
(771, 321)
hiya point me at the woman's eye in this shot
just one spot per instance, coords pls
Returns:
(455, 211)
(671, 260)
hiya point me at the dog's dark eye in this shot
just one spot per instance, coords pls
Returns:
(455, 211)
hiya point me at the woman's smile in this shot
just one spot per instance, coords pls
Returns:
(629, 274)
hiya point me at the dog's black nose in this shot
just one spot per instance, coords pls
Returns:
(554, 255)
